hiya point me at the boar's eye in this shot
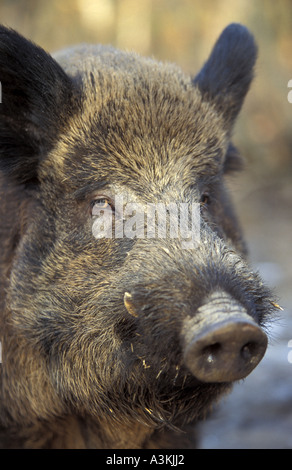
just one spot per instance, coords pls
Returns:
(205, 199)
(103, 203)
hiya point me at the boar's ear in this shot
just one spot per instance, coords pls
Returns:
(226, 76)
(36, 95)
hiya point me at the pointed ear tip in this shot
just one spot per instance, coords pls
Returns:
(237, 32)
(227, 74)
(234, 50)
(237, 29)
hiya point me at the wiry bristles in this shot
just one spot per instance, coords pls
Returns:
(276, 305)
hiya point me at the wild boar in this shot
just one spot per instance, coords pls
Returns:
(115, 338)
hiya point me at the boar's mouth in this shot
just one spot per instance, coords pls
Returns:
(220, 344)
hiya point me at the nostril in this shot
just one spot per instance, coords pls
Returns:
(249, 351)
(211, 351)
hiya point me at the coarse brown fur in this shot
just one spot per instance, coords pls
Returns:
(78, 371)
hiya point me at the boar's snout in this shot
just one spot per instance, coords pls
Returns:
(226, 352)
(222, 343)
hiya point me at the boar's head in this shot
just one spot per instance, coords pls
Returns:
(138, 326)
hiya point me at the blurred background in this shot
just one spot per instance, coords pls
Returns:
(258, 414)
